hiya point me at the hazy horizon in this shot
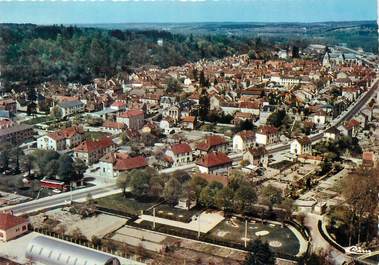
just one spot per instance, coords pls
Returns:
(186, 11)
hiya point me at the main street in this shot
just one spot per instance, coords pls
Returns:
(61, 199)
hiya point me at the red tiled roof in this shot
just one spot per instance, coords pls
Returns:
(258, 151)
(118, 104)
(351, 124)
(131, 113)
(250, 105)
(65, 133)
(112, 157)
(90, 146)
(130, 163)
(114, 125)
(190, 119)
(214, 159)
(267, 129)
(303, 140)
(246, 134)
(211, 141)
(368, 156)
(8, 221)
(181, 148)
(6, 123)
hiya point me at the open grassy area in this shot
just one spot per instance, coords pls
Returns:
(37, 120)
(95, 135)
(127, 205)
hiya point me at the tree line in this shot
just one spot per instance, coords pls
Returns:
(33, 54)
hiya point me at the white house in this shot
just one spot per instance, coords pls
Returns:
(61, 140)
(243, 140)
(301, 145)
(267, 134)
(113, 163)
(320, 117)
(179, 154)
(331, 134)
(256, 156)
(134, 119)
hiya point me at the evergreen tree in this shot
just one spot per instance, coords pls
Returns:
(259, 254)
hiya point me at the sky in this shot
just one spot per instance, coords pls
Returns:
(181, 11)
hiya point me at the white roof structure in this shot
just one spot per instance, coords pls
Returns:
(53, 252)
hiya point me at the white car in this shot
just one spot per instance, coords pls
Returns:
(57, 191)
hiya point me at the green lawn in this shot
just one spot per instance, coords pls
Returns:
(95, 135)
(127, 205)
(37, 120)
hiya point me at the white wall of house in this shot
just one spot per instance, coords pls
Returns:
(297, 148)
(106, 169)
(319, 119)
(47, 143)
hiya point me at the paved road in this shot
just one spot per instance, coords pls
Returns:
(347, 115)
(59, 199)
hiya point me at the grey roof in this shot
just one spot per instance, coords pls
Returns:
(71, 103)
(55, 252)
(15, 128)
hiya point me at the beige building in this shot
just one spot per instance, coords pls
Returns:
(12, 226)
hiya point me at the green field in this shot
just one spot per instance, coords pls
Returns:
(127, 205)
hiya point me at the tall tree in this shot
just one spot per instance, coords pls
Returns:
(259, 254)
(172, 190)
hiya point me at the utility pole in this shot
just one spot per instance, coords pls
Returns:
(198, 226)
(154, 218)
(246, 233)
(70, 192)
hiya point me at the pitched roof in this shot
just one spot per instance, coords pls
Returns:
(8, 221)
(211, 141)
(303, 140)
(267, 129)
(114, 125)
(130, 163)
(258, 151)
(65, 133)
(246, 134)
(214, 159)
(190, 119)
(181, 148)
(71, 103)
(90, 146)
(351, 124)
(131, 113)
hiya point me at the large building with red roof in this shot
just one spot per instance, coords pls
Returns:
(90, 151)
(113, 163)
(12, 226)
(213, 143)
(214, 163)
(61, 139)
(179, 154)
(133, 118)
(267, 134)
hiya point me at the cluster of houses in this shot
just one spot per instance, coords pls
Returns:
(312, 92)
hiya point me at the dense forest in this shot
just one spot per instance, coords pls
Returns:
(31, 54)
